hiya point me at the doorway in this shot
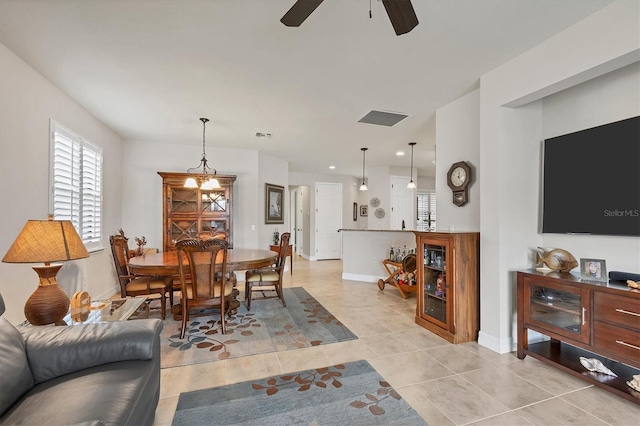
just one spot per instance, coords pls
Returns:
(328, 220)
(403, 204)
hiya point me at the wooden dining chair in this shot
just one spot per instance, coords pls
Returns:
(138, 285)
(269, 278)
(208, 235)
(203, 274)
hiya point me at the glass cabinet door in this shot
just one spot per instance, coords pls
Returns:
(214, 201)
(183, 200)
(435, 283)
(215, 226)
(183, 229)
(561, 309)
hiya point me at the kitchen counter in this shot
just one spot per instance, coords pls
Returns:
(363, 251)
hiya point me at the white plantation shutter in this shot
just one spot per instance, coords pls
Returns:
(427, 211)
(76, 182)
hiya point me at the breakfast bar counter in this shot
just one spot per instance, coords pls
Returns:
(363, 251)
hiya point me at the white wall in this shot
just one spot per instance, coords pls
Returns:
(379, 184)
(511, 131)
(458, 139)
(274, 171)
(27, 102)
(142, 195)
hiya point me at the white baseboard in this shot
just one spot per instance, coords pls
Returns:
(501, 346)
(508, 344)
(359, 277)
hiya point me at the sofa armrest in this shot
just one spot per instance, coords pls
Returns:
(57, 350)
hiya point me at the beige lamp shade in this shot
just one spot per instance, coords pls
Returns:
(46, 241)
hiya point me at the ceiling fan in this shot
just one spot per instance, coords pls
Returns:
(401, 14)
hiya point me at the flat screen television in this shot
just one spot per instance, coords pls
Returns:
(591, 181)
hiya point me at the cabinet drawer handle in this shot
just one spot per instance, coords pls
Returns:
(584, 316)
(620, 342)
(622, 311)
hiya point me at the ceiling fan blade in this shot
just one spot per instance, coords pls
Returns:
(300, 11)
(401, 14)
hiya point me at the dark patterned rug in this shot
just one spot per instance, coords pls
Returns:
(268, 327)
(353, 393)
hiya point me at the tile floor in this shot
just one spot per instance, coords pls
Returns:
(464, 384)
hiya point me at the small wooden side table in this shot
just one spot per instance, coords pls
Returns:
(276, 248)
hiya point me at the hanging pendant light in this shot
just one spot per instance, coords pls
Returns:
(412, 184)
(363, 187)
(207, 181)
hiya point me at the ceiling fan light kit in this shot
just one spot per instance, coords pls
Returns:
(401, 14)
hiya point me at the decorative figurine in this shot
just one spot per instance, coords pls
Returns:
(556, 259)
(633, 284)
(595, 365)
(276, 237)
(635, 383)
(440, 286)
(141, 243)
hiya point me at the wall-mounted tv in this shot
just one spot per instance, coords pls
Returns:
(591, 181)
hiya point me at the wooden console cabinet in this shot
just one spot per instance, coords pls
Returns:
(448, 279)
(187, 212)
(593, 320)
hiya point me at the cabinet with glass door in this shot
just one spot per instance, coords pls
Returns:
(448, 273)
(190, 212)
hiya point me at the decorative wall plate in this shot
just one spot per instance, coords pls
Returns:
(375, 202)
(379, 213)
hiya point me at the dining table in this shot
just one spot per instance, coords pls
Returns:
(166, 263)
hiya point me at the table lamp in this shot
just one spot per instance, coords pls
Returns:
(46, 241)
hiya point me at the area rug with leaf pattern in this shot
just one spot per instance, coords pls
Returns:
(268, 327)
(353, 393)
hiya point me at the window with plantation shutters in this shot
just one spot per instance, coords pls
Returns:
(426, 211)
(76, 184)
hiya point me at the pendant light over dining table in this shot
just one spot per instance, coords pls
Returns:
(204, 180)
(412, 184)
(363, 187)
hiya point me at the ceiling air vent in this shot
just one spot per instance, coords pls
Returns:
(382, 118)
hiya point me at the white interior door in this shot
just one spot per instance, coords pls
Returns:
(403, 204)
(328, 220)
(299, 222)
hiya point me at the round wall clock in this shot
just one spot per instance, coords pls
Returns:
(458, 179)
(375, 202)
(379, 213)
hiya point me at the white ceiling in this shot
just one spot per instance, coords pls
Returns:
(149, 69)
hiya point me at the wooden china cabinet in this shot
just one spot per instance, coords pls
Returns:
(187, 212)
(448, 278)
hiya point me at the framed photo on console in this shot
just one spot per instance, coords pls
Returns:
(274, 204)
(593, 270)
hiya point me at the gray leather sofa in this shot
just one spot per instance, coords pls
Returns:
(93, 374)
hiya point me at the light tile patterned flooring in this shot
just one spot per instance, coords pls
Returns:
(464, 384)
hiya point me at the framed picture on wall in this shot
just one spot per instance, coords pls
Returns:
(364, 210)
(593, 270)
(355, 212)
(274, 204)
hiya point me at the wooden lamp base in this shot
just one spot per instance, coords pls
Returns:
(49, 303)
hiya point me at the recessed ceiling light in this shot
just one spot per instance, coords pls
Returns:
(332, 167)
(263, 135)
(400, 153)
